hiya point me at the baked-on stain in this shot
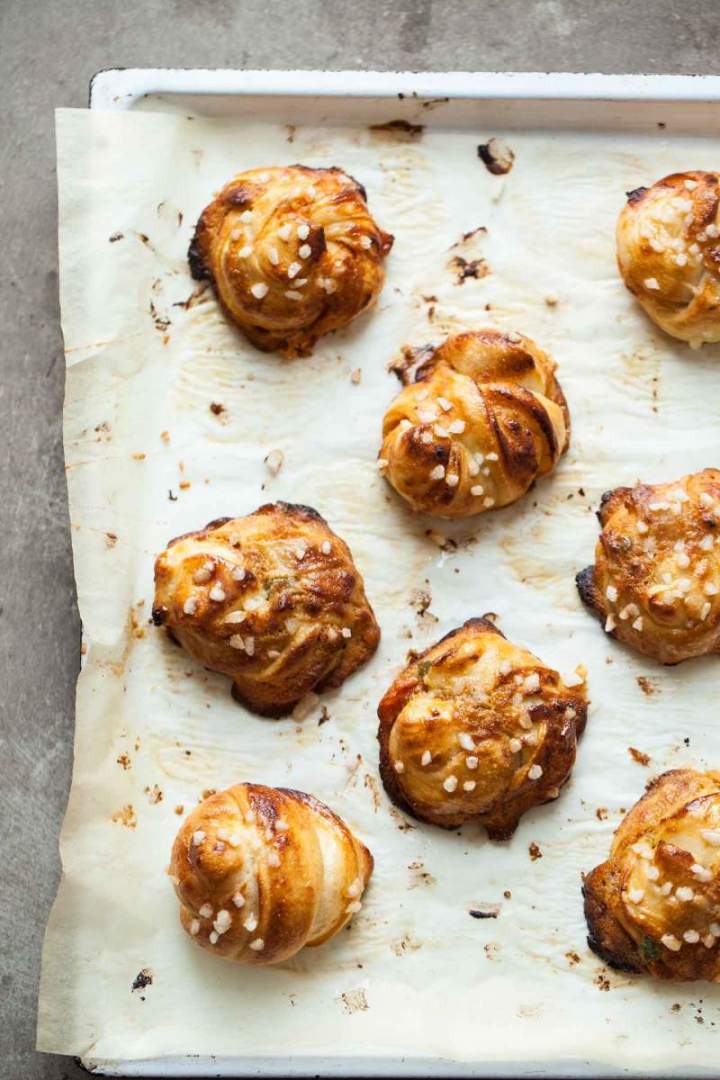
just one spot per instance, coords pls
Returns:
(126, 816)
(647, 685)
(534, 851)
(639, 756)
(480, 229)
(402, 130)
(468, 268)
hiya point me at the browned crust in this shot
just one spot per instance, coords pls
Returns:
(321, 591)
(558, 749)
(613, 934)
(298, 898)
(606, 936)
(281, 324)
(672, 628)
(503, 389)
(682, 298)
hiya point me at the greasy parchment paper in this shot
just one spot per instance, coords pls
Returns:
(415, 976)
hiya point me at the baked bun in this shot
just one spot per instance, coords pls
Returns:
(669, 253)
(292, 253)
(260, 872)
(478, 729)
(482, 420)
(273, 600)
(654, 906)
(656, 578)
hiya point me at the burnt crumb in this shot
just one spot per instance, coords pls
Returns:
(410, 361)
(496, 156)
(324, 716)
(487, 911)
(401, 130)
(179, 218)
(601, 813)
(161, 321)
(639, 756)
(581, 491)
(145, 239)
(661, 124)
(290, 128)
(194, 297)
(420, 876)
(154, 795)
(675, 1007)
(686, 740)
(534, 851)
(111, 539)
(124, 761)
(179, 809)
(216, 408)
(507, 894)
(602, 982)
(142, 979)
(115, 237)
(420, 601)
(468, 268)
(445, 543)
(479, 230)
(171, 497)
(572, 958)
(646, 685)
(433, 103)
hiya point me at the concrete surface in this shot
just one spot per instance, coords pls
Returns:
(48, 51)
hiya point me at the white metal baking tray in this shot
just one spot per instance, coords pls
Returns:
(667, 104)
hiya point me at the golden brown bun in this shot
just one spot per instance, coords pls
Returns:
(654, 906)
(669, 254)
(261, 872)
(292, 253)
(483, 419)
(273, 600)
(477, 729)
(656, 577)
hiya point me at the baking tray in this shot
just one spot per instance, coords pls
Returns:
(681, 106)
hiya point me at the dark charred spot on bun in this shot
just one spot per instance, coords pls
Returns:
(217, 523)
(585, 582)
(159, 614)
(635, 195)
(238, 196)
(292, 509)
(198, 267)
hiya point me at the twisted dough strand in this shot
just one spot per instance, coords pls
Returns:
(482, 420)
(273, 600)
(292, 253)
(478, 729)
(261, 872)
(654, 905)
(669, 254)
(655, 584)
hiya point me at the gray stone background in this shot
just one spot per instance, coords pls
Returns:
(48, 52)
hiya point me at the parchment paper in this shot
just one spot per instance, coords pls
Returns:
(148, 458)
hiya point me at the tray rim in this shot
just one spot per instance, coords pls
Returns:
(119, 89)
